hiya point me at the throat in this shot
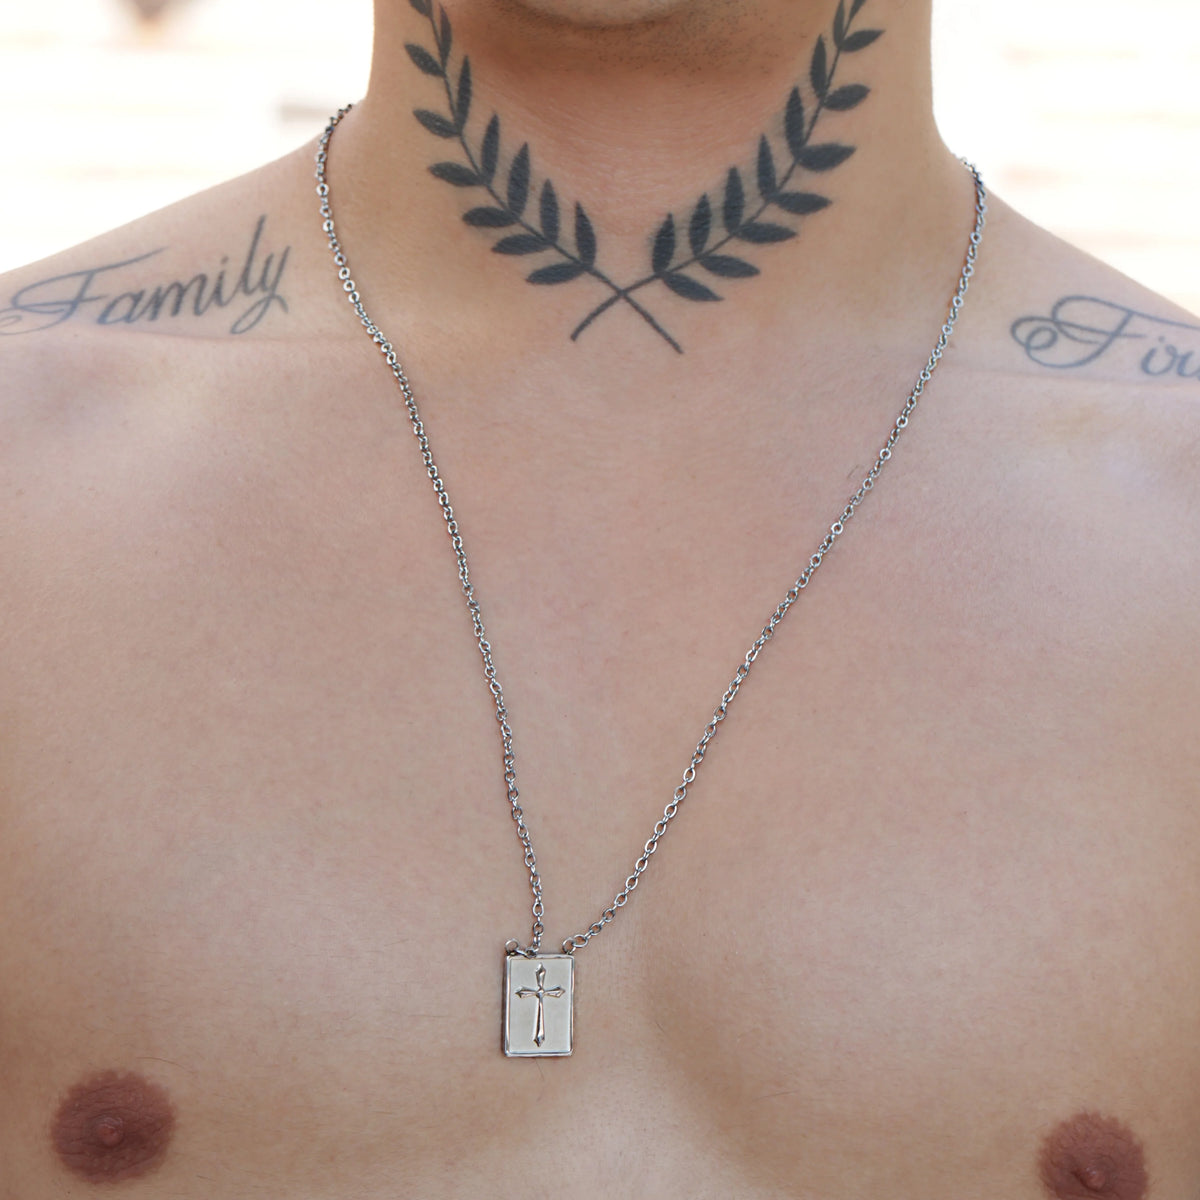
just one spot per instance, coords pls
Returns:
(633, 173)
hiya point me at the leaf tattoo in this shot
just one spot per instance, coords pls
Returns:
(518, 181)
(728, 266)
(767, 181)
(507, 204)
(521, 243)
(489, 218)
(549, 212)
(585, 237)
(735, 201)
(441, 126)
(424, 60)
(846, 97)
(464, 93)
(819, 71)
(442, 33)
(793, 123)
(562, 272)
(489, 152)
(679, 245)
(700, 226)
(689, 288)
(456, 174)
(748, 222)
(664, 246)
(861, 40)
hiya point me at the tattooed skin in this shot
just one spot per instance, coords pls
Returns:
(1082, 329)
(712, 228)
(82, 294)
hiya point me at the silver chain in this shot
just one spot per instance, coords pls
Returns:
(579, 940)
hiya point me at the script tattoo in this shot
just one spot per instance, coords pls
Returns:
(50, 302)
(1081, 329)
(711, 228)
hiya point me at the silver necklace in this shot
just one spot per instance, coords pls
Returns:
(539, 988)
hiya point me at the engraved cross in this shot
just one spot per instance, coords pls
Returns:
(541, 992)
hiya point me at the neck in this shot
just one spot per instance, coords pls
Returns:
(608, 173)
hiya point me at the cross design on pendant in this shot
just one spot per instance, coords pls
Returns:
(546, 1032)
(541, 992)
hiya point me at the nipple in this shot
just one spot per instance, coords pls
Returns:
(113, 1126)
(109, 1131)
(1090, 1157)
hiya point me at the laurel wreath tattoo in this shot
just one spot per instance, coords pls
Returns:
(741, 211)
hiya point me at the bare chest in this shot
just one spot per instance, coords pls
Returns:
(932, 892)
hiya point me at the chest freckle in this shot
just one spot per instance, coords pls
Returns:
(1091, 1157)
(113, 1126)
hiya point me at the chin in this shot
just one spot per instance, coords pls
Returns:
(597, 14)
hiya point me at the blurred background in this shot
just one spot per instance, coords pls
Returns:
(1085, 114)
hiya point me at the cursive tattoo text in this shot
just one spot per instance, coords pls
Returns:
(1078, 330)
(88, 294)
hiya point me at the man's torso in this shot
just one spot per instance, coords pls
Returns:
(933, 892)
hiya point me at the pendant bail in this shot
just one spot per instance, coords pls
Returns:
(514, 949)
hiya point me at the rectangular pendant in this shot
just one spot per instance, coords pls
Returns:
(539, 1005)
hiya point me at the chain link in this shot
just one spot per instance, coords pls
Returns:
(579, 940)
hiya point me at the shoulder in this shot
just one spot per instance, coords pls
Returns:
(1087, 363)
(1079, 391)
(131, 365)
(221, 264)
(125, 327)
